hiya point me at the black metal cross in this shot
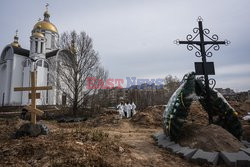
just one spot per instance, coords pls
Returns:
(202, 52)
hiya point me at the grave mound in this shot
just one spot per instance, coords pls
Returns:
(151, 116)
(241, 107)
(106, 117)
(32, 130)
(197, 114)
(209, 138)
(246, 132)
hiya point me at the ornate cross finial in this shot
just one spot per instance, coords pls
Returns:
(46, 13)
(15, 42)
(47, 7)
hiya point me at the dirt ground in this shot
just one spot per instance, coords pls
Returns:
(209, 138)
(116, 143)
(150, 117)
(241, 107)
(101, 141)
(196, 133)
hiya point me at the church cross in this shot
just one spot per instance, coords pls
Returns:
(204, 68)
(47, 7)
(32, 108)
(203, 33)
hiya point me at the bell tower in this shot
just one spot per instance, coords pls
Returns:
(48, 30)
(37, 45)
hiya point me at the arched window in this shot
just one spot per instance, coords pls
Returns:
(41, 47)
(27, 63)
(46, 65)
(36, 46)
(39, 63)
(52, 41)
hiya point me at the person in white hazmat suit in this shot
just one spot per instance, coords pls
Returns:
(126, 109)
(120, 108)
(129, 114)
(133, 108)
(247, 117)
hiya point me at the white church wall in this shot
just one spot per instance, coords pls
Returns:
(42, 81)
(26, 83)
(6, 58)
(8, 82)
(2, 83)
(17, 79)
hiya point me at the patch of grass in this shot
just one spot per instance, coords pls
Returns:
(99, 135)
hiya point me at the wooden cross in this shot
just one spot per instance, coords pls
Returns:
(33, 96)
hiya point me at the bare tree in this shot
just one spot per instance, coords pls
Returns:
(76, 62)
(101, 74)
(171, 83)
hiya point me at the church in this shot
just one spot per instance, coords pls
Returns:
(16, 63)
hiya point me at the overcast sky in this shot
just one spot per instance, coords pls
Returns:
(135, 37)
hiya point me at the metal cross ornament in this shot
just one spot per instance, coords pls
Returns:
(47, 7)
(204, 68)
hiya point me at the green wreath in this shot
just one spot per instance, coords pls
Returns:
(178, 105)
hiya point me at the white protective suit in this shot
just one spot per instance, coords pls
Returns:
(133, 108)
(247, 117)
(120, 108)
(126, 110)
(129, 110)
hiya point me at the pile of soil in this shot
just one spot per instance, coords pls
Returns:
(209, 138)
(9, 127)
(107, 117)
(242, 108)
(78, 144)
(246, 132)
(75, 146)
(197, 114)
(151, 116)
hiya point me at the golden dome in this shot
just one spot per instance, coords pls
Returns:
(45, 25)
(16, 44)
(38, 35)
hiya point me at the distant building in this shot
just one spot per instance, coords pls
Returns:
(229, 94)
(226, 92)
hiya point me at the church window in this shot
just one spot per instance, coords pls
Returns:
(46, 65)
(39, 63)
(41, 47)
(52, 41)
(36, 46)
(26, 63)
